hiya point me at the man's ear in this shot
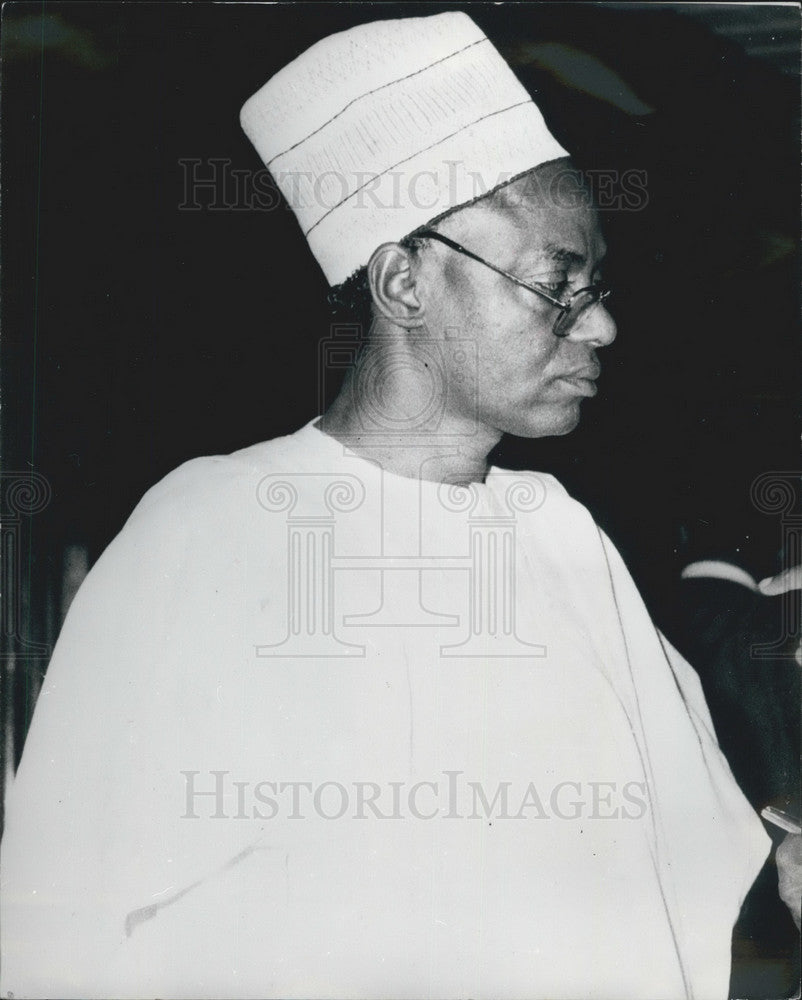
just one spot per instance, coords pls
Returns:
(392, 284)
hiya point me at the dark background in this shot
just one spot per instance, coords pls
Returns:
(138, 333)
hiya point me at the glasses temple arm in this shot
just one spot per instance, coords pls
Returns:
(431, 234)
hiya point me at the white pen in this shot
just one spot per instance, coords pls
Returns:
(781, 819)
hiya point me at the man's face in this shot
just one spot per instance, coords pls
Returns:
(527, 382)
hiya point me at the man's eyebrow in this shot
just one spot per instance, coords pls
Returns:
(563, 255)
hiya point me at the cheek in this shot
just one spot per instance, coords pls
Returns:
(463, 312)
(521, 352)
(509, 346)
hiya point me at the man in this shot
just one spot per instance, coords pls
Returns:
(350, 713)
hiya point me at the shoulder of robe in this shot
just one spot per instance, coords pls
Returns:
(551, 484)
(185, 531)
(205, 487)
(544, 480)
(547, 495)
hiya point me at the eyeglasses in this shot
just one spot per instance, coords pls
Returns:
(570, 310)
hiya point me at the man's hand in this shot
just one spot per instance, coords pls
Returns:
(789, 579)
(789, 871)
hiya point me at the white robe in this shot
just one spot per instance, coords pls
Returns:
(543, 810)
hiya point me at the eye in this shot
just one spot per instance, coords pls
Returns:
(553, 278)
(556, 287)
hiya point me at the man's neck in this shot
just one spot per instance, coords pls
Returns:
(403, 429)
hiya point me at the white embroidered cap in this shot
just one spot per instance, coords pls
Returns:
(374, 131)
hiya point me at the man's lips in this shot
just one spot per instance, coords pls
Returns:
(583, 380)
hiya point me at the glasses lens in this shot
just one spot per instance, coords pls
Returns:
(583, 301)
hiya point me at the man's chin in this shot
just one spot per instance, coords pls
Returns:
(555, 423)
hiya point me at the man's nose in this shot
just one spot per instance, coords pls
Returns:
(595, 326)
